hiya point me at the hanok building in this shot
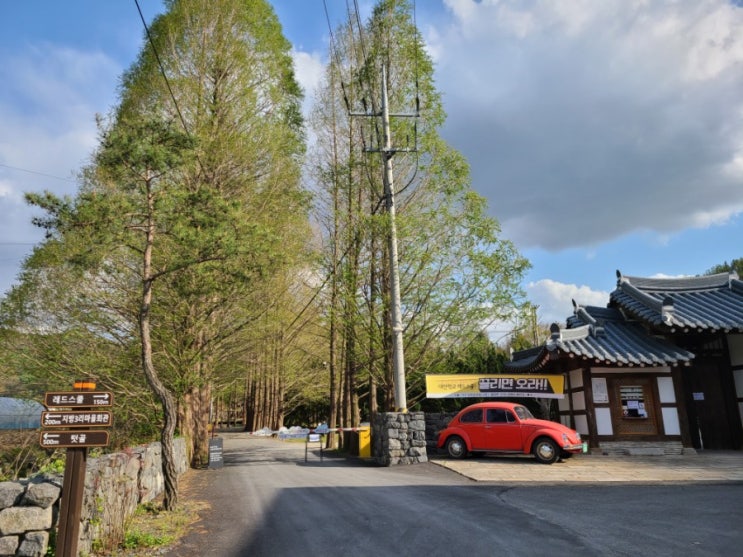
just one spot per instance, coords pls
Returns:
(657, 370)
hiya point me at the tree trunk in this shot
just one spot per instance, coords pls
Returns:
(196, 406)
(170, 474)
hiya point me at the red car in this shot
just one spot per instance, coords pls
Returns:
(506, 427)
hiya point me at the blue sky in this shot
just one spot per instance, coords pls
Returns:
(605, 135)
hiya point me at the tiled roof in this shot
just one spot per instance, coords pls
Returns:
(703, 304)
(604, 337)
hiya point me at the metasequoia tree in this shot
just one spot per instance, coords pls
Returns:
(189, 211)
(456, 273)
(231, 85)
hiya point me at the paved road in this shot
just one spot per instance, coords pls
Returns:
(267, 501)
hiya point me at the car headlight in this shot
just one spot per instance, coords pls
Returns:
(566, 438)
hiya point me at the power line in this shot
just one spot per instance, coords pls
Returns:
(334, 54)
(36, 172)
(162, 69)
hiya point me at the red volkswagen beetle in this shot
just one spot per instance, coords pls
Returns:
(506, 427)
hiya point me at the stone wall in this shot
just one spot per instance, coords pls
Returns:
(435, 422)
(399, 438)
(114, 485)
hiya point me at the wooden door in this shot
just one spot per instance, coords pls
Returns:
(633, 406)
(708, 415)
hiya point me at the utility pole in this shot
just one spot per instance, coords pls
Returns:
(398, 353)
(387, 151)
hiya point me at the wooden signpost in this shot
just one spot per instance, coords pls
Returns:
(71, 439)
(73, 414)
(75, 418)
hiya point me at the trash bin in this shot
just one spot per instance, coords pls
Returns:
(365, 443)
(358, 442)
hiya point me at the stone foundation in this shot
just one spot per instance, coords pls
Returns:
(399, 438)
(641, 448)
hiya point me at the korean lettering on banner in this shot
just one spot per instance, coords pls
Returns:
(540, 384)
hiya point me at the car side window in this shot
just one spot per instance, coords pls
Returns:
(472, 417)
(497, 416)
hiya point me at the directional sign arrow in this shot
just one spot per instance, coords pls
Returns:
(77, 438)
(83, 418)
(78, 399)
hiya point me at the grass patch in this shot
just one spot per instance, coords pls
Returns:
(134, 540)
(152, 528)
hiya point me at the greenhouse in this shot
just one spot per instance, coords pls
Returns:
(17, 413)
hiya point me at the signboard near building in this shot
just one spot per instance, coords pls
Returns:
(494, 386)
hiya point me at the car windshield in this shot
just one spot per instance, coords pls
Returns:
(523, 413)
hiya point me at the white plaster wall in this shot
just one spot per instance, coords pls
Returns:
(581, 424)
(603, 421)
(576, 378)
(579, 400)
(665, 390)
(671, 421)
(735, 344)
(563, 404)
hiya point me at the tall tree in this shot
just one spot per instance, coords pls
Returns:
(125, 206)
(457, 273)
(734, 265)
(230, 82)
(190, 211)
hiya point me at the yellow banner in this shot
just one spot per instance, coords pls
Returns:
(494, 386)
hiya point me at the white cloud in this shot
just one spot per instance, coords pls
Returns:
(6, 190)
(554, 299)
(584, 121)
(48, 102)
(309, 68)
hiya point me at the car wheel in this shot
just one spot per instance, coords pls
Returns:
(456, 447)
(545, 450)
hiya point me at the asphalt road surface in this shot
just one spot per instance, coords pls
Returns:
(268, 502)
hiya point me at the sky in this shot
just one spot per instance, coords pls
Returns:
(606, 135)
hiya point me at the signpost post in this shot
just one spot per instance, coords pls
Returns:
(76, 439)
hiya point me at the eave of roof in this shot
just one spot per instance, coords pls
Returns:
(711, 303)
(601, 336)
